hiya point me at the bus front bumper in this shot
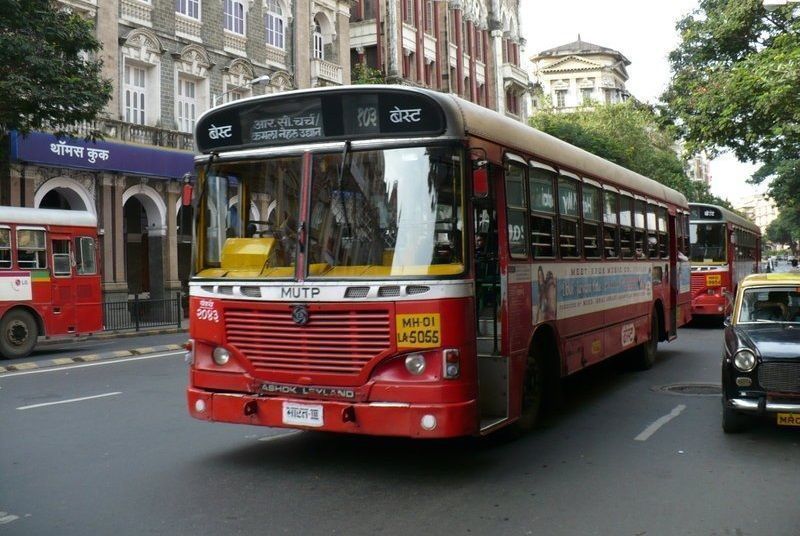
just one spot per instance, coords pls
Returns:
(371, 418)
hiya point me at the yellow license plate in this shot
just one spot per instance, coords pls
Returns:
(419, 331)
(789, 419)
(713, 280)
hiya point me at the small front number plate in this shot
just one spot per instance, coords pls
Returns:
(302, 414)
(789, 419)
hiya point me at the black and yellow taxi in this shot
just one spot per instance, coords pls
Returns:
(761, 356)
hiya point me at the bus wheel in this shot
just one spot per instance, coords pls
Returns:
(645, 354)
(18, 334)
(532, 394)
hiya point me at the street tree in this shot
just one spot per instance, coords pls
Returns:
(785, 230)
(736, 77)
(628, 134)
(49, 76)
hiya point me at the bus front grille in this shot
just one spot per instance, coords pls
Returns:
(338, 342)
(780, 377)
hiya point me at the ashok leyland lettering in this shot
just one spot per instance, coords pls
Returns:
(385, 261)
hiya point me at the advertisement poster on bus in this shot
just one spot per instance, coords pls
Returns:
(565, 291)
(15, 286)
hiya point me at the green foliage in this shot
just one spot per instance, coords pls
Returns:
(628, 134)
(364, 74)
(736, 78)
(46, 80)
(785, 229)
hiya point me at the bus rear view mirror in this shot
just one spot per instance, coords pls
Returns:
(480, 179)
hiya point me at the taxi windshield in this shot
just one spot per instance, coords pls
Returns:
(770, 304)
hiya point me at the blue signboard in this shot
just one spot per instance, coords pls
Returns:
(41, 148)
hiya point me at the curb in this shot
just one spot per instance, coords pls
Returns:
(88, 358)
(102, 335)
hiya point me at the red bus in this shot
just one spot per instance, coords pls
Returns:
(49, 280)
(724, 249)
(396, 261)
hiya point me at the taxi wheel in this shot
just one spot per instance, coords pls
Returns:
(732, 421)
(18, 333)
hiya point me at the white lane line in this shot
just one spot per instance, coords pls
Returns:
(114, 361)
(653, 428)
(279, 436)
(5, 517)
(71, 400)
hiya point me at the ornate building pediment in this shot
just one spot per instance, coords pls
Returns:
(143, 45)
(572, 63)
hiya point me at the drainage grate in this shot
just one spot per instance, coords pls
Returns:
(691, 389)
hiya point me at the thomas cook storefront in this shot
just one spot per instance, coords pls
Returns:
(135, 191)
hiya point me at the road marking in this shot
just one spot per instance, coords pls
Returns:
(93, 364)
(653, 428)
(71, 400)
(5, 517)
(279, 436)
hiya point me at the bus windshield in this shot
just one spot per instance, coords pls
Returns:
(707, 242)
(385, 213)
(392, 212)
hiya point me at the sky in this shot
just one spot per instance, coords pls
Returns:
(644, 32)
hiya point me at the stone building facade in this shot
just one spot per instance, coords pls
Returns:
(468, 47)
(169, 61)
(578, 74)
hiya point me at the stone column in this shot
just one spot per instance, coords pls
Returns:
(392, 73)
(173, 194)
(303, 26)
(108, 35)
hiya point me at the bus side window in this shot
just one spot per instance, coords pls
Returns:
(626, 226)
(61, 261)
(652, 233)
(31, 251)
(542, 203)
(86, 263)
(568, 218)
(591, 218)
(610, 227)
(640, 240)
(663, 233)
(515, 210)
(5, 248)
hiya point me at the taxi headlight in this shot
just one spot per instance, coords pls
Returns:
(221, 356)
(744, 360)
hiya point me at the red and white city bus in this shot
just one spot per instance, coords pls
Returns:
(724, 248)
(396, 261)
(49, 278)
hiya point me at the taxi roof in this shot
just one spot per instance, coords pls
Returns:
(781, 278)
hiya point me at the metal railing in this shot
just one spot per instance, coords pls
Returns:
(138, 314)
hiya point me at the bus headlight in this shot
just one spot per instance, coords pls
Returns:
(744, 360)
(221, 356)
(415, 364)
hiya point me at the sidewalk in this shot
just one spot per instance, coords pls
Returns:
(104, 335)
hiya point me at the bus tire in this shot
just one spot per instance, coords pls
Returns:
(532, 394)
(645, 354)
(18, 334)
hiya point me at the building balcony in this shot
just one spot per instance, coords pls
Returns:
(137, 11)
(115, 130)
(188, 27)
(513, 75)
(234, 43)
(327, 71)
(363, 34)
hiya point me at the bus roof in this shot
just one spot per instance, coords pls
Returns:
(727, 215)
(460, 118)
(46, 216)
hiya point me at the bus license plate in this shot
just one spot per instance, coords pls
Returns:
(713, 280)
(302, 414)
(789, 419)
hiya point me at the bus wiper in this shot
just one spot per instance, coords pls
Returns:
(345, 155)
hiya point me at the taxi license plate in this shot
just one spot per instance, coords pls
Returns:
(302, 414)
(789, 419)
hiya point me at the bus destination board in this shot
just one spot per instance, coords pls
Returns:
(290, 119)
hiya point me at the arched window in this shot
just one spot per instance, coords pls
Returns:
(234, 16)
(319, 48)
(275, 25)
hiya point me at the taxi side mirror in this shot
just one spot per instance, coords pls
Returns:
(727, 321)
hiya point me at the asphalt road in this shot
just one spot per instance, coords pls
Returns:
(621, 458)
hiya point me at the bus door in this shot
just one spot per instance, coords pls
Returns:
(672, 331)
(62, 317)
(493, 368)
